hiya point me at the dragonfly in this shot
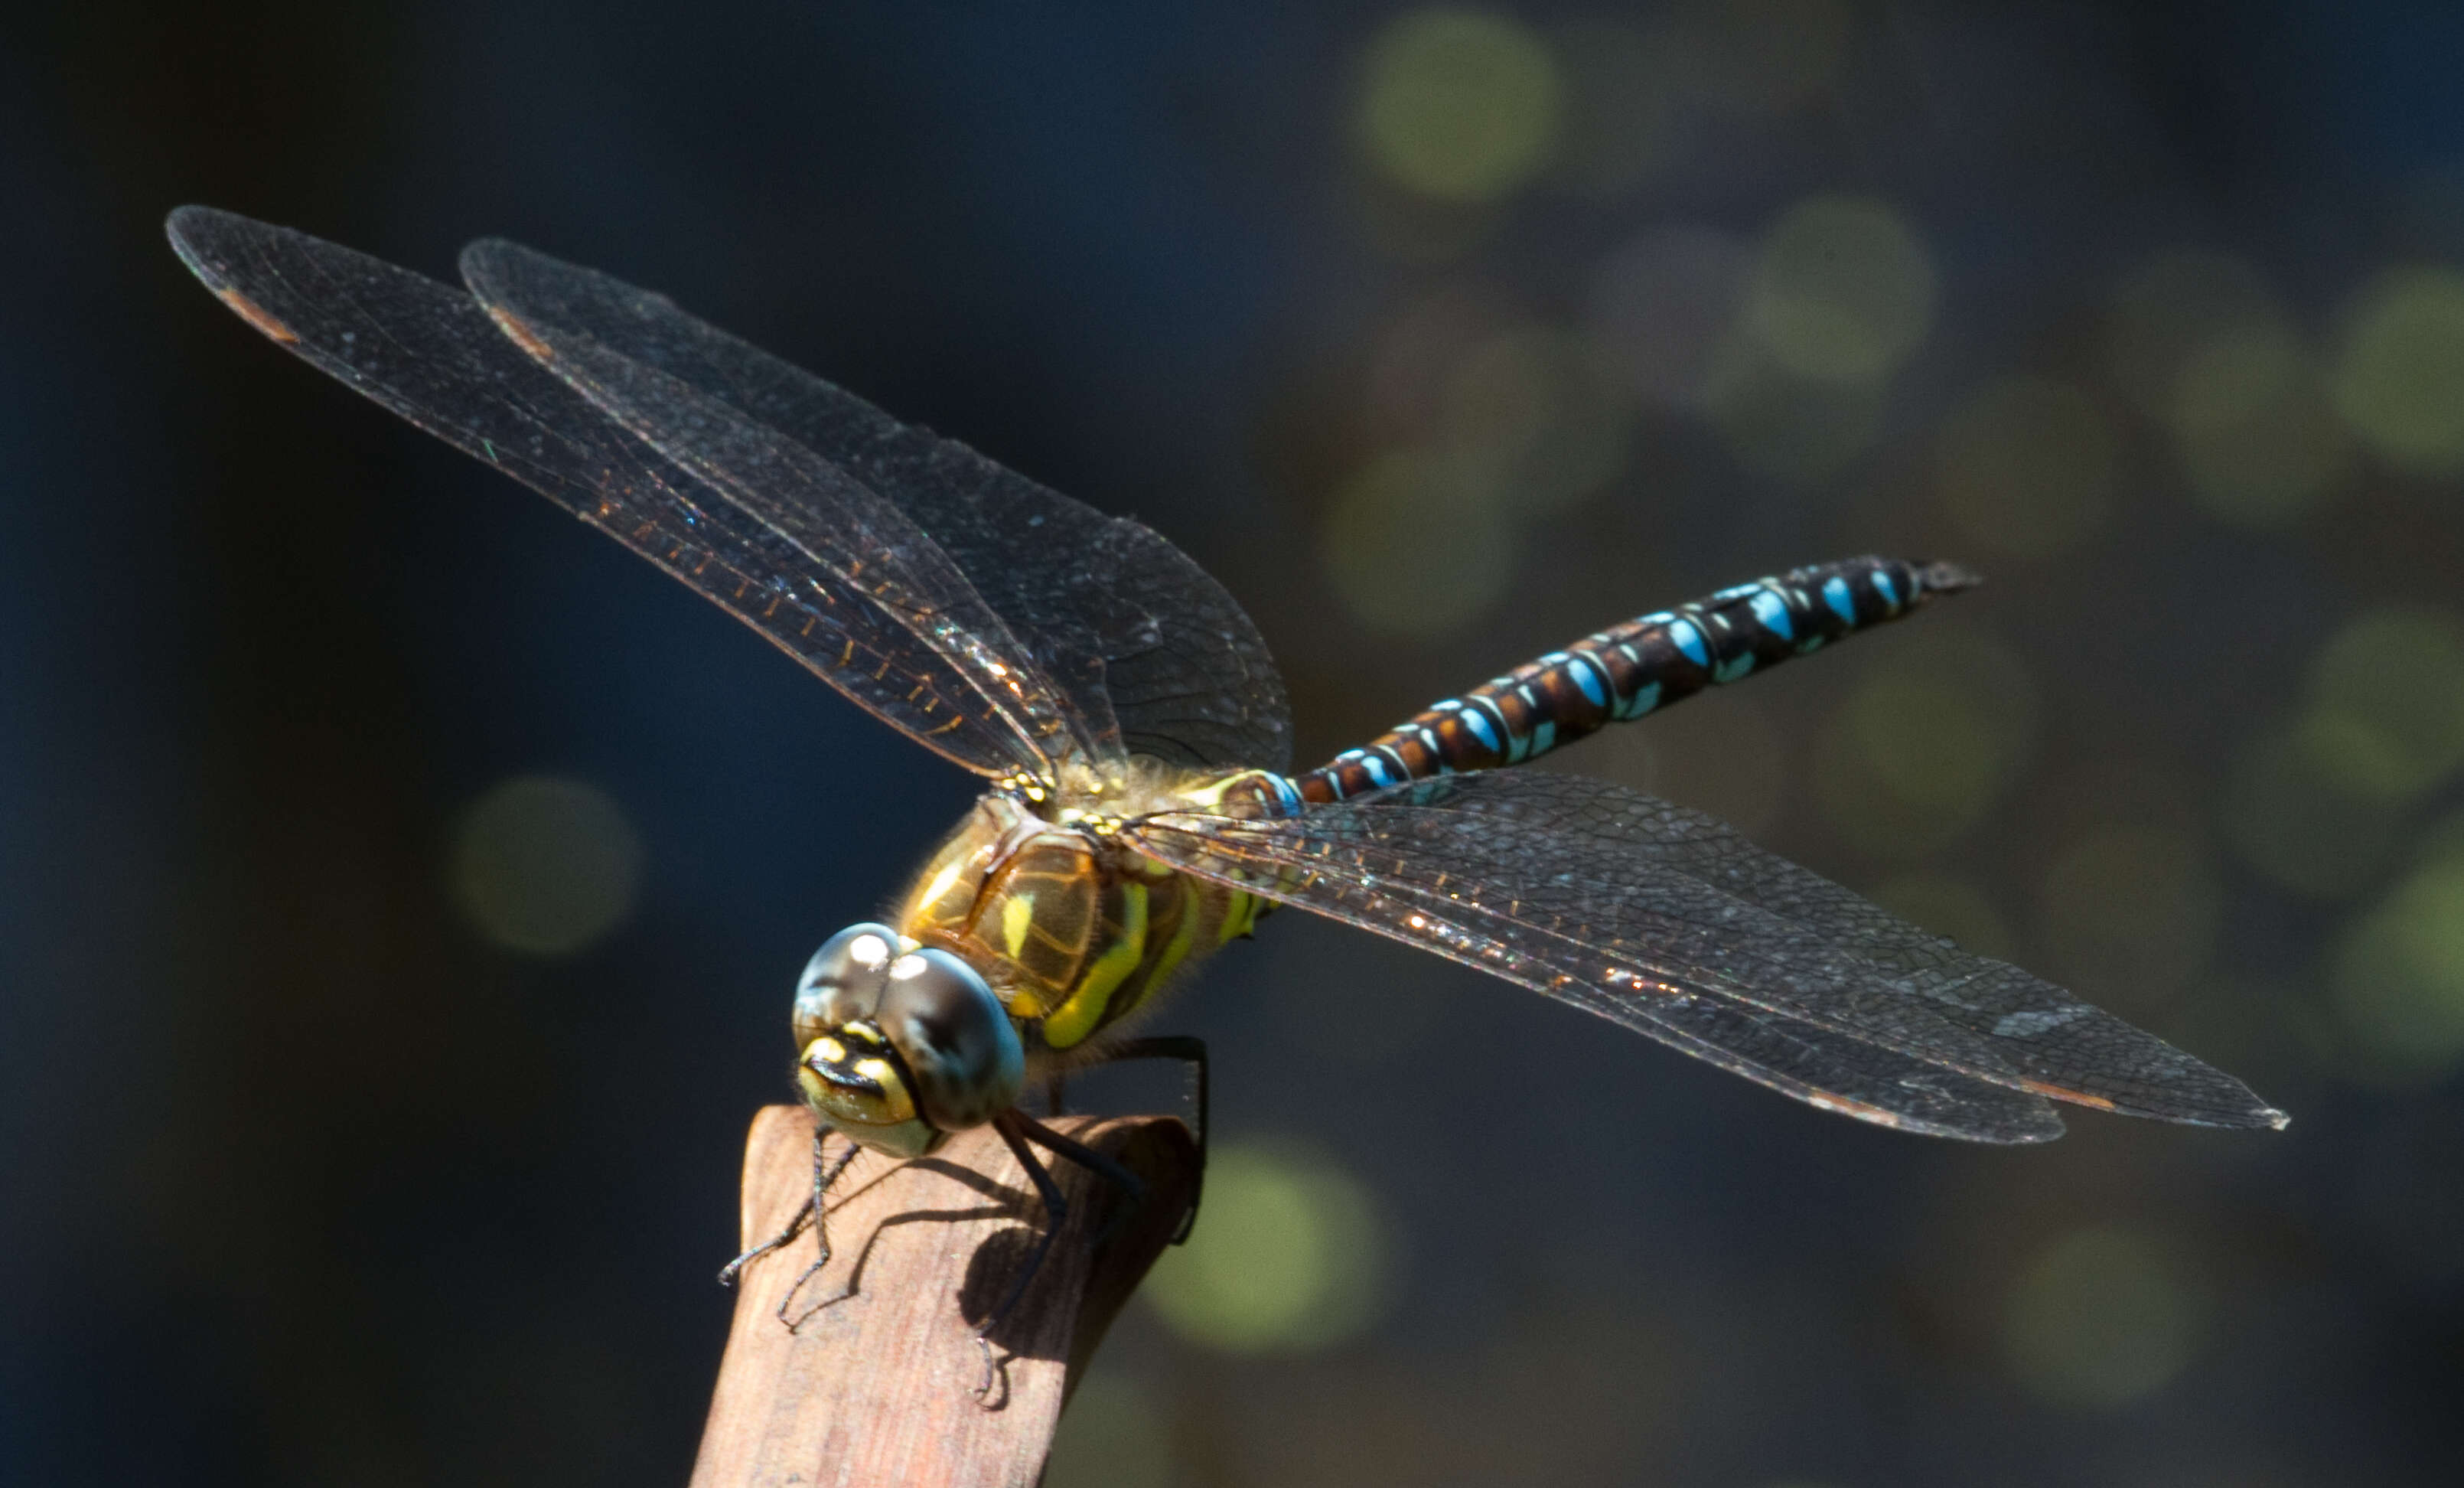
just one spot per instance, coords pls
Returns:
(1140, 812)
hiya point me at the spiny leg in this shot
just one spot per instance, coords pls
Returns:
(823, 1177)
(1017, 1130)
(796, 1224)
(729, 1273)
(1193, 1051)
(826, 1172)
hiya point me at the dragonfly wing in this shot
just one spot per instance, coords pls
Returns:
(430, 353)
(1815, 1064)
(2061, 1044)
(867, 545)
(1141, 639)
(1640, 910)
(1844, 1076)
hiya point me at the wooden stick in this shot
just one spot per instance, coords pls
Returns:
(879, 1384)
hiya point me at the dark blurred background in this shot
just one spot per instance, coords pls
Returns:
(401, 888)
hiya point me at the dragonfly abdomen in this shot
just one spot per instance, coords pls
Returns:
(1637, 668)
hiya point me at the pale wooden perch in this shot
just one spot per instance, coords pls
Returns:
(880, 1387)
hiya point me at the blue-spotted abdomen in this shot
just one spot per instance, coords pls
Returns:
(1637, 668)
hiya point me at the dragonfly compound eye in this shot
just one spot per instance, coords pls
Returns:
(955, 1039)
(844, 980)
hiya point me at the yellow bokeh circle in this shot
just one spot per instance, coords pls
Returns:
(1843, 290)
(1458, 104)
(2101, 1318)
(2399, 376)
(1287, 1257)
(546, 866)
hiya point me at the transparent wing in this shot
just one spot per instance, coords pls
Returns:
(1670, 923)
(884, 624)
(1145, 645)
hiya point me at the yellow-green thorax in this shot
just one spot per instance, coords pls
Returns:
(1071, 929)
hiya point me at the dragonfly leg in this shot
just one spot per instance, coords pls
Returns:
(826, 1172)
(1056, 1209)
(728, 1274)
(796, 1224)
(1056, 1094)
(1017, 1130)
(825, 1175)
(1193, 1053)
(1094, 1162)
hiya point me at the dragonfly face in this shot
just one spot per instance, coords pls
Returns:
(901, 1044)
(1134, 733)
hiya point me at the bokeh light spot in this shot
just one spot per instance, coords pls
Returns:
(1620, 86)
(2028, 467)
(546, 866)
(1531, 405)
(2099, 1318)
(2236, 376)
(2131, 906)
(1287, 1257)
(1461, 105)
(1776, 422)
(2294, 822)
(1843, 290)
(2443, 841)
(1416, 545)
(2173, 305)
(1929, 740)
(2256, 437)
(2385, 720)
(2399, 375)
(1114, 1434)
(1506, 393)
(2397, 976)
(1926, 744)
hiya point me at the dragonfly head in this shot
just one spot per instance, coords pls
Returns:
(899, 1045)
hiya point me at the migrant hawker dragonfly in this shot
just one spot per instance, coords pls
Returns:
(1134, 734)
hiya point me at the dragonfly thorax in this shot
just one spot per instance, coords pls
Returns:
(1071, 929)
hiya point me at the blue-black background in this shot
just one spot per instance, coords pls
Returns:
(304, 1180)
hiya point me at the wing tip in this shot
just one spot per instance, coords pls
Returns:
(189, 228)
(2254, 1115)
(484, 262)
(195, 231)
(190, 219)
